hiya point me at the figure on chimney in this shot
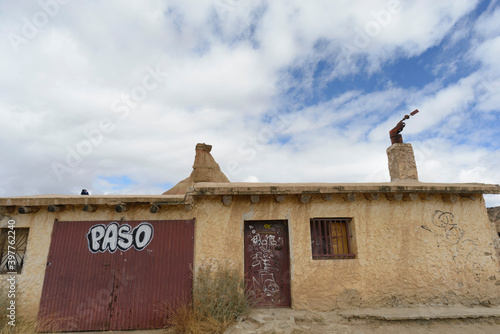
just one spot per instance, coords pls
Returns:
(395, 132)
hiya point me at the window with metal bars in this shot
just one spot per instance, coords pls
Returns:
(331, 238)
(13, 243)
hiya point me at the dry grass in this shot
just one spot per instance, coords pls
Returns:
(54, 323)
(25, 326)
(181, 318)
(218, 299)
(219, 292)
(21, 325)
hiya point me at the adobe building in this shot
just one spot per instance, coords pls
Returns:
(107, 262)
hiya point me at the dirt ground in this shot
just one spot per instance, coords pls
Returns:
(294, 322)
(410, 327)
(480, 320)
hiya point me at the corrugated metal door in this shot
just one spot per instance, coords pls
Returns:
(115, 275)
(267, 263)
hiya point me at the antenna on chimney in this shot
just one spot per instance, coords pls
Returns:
(395, 132)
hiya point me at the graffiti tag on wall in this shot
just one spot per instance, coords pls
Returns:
(103, 238)
(464, 252)
(266, 249)
(264, 262)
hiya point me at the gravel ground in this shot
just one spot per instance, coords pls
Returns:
(446, 320)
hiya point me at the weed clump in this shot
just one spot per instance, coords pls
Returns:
(218, 299)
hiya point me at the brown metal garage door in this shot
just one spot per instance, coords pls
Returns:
(105, 275)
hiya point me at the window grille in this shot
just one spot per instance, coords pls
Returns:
(331, 238)
(18, 249)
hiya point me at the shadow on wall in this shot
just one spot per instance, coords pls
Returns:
(494, 215)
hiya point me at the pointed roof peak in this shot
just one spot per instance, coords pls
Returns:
(205, 169)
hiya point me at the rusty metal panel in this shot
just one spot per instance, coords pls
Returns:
(77, 284)
(115, 281)
(159, 274)
(267, 263)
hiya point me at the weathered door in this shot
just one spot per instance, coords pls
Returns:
(267, 263)
(115, 275)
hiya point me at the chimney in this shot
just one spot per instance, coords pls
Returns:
(402, 166)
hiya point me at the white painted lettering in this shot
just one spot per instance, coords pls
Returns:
(110, 238)
(103, 238)
(125, 239)
(142, 235)
(95, 236)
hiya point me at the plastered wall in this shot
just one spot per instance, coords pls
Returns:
(29, 282)
(408, 253)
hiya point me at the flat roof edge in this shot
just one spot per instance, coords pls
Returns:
(242, 188)
(45, 200)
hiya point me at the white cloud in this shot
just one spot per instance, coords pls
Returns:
(231, 66)
(487, 24)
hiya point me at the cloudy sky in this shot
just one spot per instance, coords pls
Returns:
(113, 96)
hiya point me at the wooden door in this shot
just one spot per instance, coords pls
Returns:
(267, 263)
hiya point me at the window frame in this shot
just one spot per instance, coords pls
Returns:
(323, 240)
(21, 245)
